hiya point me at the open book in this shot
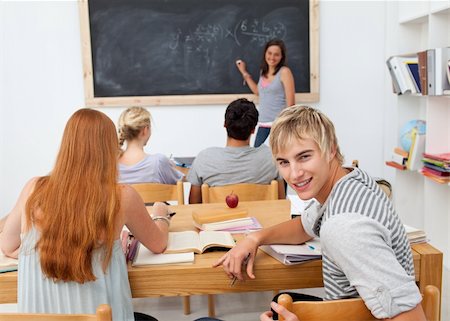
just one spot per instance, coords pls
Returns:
(294, 254)
(198, 242)
(7, 264)
(146, 257)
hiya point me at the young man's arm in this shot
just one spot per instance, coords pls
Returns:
(195, 195)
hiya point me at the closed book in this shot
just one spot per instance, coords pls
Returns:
(398, 159)
(434, 171)
(395, 86)
(396, 165)
(442, 55)
(203, 216)
(443, 157)
(413, 69)
(410, 82)
(240, 225)
(422, 58)
(394, 66)
(417, 149)
(400, 151)
(430, 71)
(294, 254)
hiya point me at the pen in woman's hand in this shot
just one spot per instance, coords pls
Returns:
(244, 264)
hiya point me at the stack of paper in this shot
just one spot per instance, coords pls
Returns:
(294, 254)
(415, 235)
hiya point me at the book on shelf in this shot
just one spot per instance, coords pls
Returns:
(413, 69)
(401, 74)
(7, 264)
(442, 56)
(199, 242)
(430, 71)
(239, 225)
(398, 159)
(422, 59)
(400, 151)
(294, 254)
(417, 149)
(415, 235)
(401, 167)
(442, 157)
(432, 170)
(436, 178)
(396, 88)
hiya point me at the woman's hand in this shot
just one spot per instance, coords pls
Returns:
(278, 308)
(240, 64)
(233, 260)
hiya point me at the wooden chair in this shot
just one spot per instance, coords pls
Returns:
(245, 191)
(154, 192)
(103, 313)
(351, 309)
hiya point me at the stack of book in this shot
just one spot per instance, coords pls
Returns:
(399, 159)
(437, 167)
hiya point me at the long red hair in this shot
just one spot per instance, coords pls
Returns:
(75, 207)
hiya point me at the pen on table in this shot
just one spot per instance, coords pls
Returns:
(244, 263)
(311, 247)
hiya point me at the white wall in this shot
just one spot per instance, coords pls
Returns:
(41, 86)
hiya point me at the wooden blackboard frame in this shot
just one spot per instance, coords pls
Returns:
(206, 99)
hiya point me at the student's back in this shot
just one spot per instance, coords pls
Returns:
(237, 162)
(65, 227)
(135, 166)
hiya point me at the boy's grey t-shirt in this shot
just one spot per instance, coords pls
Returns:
(217, 166)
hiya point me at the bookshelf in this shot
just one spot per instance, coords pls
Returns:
(414, 26)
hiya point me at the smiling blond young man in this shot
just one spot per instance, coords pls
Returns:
(365, 250)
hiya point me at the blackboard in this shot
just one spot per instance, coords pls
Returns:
(142, 48)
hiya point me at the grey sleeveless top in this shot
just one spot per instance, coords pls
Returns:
(271, 98)
(37, 293)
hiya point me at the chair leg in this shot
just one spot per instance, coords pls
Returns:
(187, 304)
(211, 307)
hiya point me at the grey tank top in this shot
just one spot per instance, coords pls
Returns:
(271, 99)
(39, 294)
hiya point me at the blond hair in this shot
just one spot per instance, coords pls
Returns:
(300, 122)
(131, 122)
(76, 206)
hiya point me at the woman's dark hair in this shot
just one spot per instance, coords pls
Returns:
(241, 118)
(264, 66)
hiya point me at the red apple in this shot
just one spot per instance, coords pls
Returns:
(232, 200)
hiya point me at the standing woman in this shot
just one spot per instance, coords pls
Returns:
(275, 88)
(65, 227)
(135, 165)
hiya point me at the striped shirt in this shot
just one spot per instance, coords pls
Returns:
(365, 250)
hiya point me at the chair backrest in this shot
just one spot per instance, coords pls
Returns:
(351, 309)
(245, 192)
(154, 192)
(103, 313)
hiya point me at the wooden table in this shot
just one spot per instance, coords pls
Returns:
(201, 278)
